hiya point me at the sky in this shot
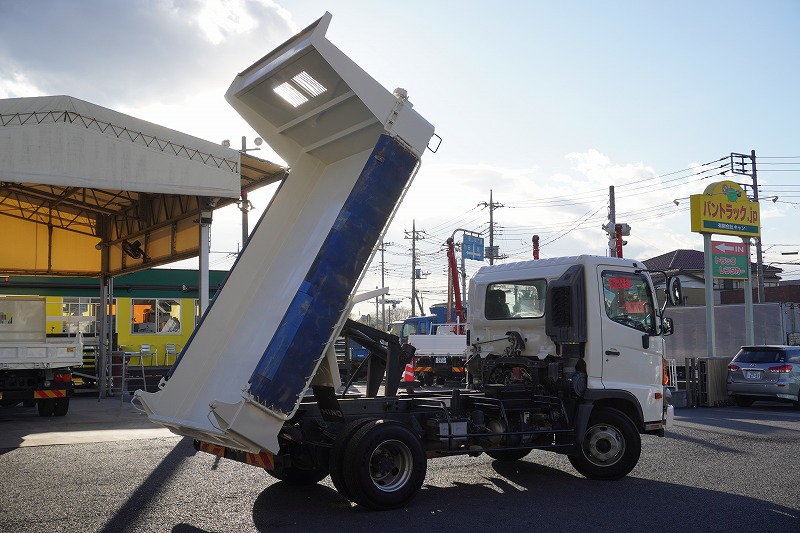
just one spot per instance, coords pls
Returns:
(543, 105)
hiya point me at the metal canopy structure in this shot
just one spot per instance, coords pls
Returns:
(86, 191)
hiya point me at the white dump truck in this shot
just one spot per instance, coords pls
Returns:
(566, 354)
(34, 369)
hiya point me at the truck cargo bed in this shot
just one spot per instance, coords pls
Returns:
(353, 149)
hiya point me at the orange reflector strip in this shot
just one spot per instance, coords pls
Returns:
(659, 396)
(44, 394)
(213, 449)
(263, 460)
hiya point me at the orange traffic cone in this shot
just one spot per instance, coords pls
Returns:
(408, 377)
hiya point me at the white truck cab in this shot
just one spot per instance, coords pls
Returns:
(595, 316)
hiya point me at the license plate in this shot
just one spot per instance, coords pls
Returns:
(440, 360)
(752, 374)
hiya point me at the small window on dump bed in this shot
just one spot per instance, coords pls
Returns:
(518, 299)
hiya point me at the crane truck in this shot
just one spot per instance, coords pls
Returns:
(566, 354)
(439, 340)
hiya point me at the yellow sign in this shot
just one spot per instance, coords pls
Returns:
(725, 209)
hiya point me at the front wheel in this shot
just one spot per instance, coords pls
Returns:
(384, 465)
(610, 447)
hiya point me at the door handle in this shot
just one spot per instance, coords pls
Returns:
(612, 352)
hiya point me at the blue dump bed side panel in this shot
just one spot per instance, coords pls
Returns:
(298, 344)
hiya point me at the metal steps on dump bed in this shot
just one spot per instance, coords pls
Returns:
(353, 148)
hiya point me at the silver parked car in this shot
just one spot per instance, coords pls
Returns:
(769, 373)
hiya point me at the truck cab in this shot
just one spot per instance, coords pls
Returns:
(591, 322)
(416, 325)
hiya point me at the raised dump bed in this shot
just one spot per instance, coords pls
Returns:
(353, 148)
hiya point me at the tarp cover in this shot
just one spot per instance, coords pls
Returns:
(78, 180)
(61, 140)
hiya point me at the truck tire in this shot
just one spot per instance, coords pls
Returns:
(426, 378)
(610, 447)
(336, 460)
(299, 476)
(507, 455)
(62, 406)
(46, 407)
(384, 465)
(440, 380)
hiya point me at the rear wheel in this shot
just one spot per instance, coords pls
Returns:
(427, 379)
(384, 465)
(46, 407)
(62, 406)
(336, 461)
(440, 380)
(743, 401)
(610, 447)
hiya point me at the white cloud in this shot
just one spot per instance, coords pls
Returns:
(17, 85)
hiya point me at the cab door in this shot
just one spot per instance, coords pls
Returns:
(631, 349)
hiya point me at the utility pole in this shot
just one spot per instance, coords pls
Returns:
(491, 229)
(615, 231)
(738, 167)
(244, 204)
(759, 256)
(612, 220)
(492, 254)
(382, 247)
(415, 274)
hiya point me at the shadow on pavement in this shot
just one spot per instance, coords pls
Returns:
(528, 496)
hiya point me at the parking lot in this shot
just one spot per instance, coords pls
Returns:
(105, 467)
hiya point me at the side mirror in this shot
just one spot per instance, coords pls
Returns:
(666, 326)
(674, 291)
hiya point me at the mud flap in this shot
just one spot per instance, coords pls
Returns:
(328, 404)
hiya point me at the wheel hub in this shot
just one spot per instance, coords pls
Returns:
(390, 465)
(604, 445)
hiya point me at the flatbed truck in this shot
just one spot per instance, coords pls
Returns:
(34, 370)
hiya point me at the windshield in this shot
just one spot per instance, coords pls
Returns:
(628, 300)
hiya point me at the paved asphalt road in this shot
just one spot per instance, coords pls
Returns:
(104, 467)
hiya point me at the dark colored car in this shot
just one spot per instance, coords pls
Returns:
(770, 373)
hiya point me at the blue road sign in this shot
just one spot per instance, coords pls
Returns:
(472, 247)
